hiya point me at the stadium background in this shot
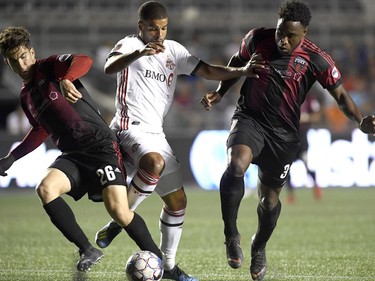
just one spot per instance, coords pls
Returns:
(211, 30)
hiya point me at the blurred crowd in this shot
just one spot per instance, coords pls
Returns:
(356, 61)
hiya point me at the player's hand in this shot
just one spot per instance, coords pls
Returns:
(255, 65)
(152, 48)
(5, 163)
(69, 91)
(210, 99)
(367, 125)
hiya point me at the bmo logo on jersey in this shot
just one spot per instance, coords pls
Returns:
(159, 77)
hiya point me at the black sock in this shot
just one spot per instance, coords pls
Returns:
(63, 218)
(267, 221)
(232, 190)
(138, 231)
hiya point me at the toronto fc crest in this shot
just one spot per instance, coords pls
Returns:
(170, 64)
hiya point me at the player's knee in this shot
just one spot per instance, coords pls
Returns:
(269, 202)
(236, 168)
(176, 201)
(45, 192)
(152, 162)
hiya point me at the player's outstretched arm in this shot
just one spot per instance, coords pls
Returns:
(5, 163)
(350, 109)
(235, 69)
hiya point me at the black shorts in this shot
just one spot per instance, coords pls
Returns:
(91, 171)
(273, 158)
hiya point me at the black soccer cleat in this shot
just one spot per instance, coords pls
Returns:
(88, 258)
(234, 251)
(105, 235)
(258, 264)
(177, 274)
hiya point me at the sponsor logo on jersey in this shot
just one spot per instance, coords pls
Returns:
(299, 64)
(156, 76)
(41, 108)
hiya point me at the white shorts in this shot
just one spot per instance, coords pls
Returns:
(135, 143)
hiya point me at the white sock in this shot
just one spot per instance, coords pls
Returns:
(141, 186)
(170, 226)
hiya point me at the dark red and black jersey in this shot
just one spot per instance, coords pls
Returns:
(275, 98)
(72, 127)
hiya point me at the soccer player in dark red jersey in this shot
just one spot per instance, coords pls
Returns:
(265, 124)
(90, 161)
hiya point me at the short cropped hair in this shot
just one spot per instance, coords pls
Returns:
(12, 38)
(152, 10)
(295, 11)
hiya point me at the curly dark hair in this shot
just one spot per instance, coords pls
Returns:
(152, 10)
(295, 11)
(13, 37)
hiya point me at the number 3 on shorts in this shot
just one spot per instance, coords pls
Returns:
(286, 171)
(106, 174)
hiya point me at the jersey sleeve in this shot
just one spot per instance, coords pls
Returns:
(186, 62)
(66, 66)
(249, 42)
(326, 71)
(123, 46)
(72, 67)
(34, 138)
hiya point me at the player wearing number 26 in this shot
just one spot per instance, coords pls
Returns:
(90, 161)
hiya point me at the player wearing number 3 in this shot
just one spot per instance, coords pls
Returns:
(90, 161)
(265, 124)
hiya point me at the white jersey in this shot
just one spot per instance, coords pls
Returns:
(145, 89)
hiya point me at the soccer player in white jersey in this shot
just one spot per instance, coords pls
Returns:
(147, 66)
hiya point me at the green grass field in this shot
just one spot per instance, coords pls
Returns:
(328, 240)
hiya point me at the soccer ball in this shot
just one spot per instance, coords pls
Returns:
(144, 266)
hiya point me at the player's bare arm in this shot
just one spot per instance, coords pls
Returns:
(218, 72)
(349, 108)
(118, 62)
(256, 63)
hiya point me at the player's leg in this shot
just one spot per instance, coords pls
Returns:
(274, 164)
(115, 200)
(147, 165)
(54, 184)
(269, 208)
(142, 185)
(232, 190)
(171, 222)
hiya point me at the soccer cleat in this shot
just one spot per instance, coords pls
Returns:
(258, 264)
(105, 236)
(177, 274)
(234, 251)
(88, 258)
